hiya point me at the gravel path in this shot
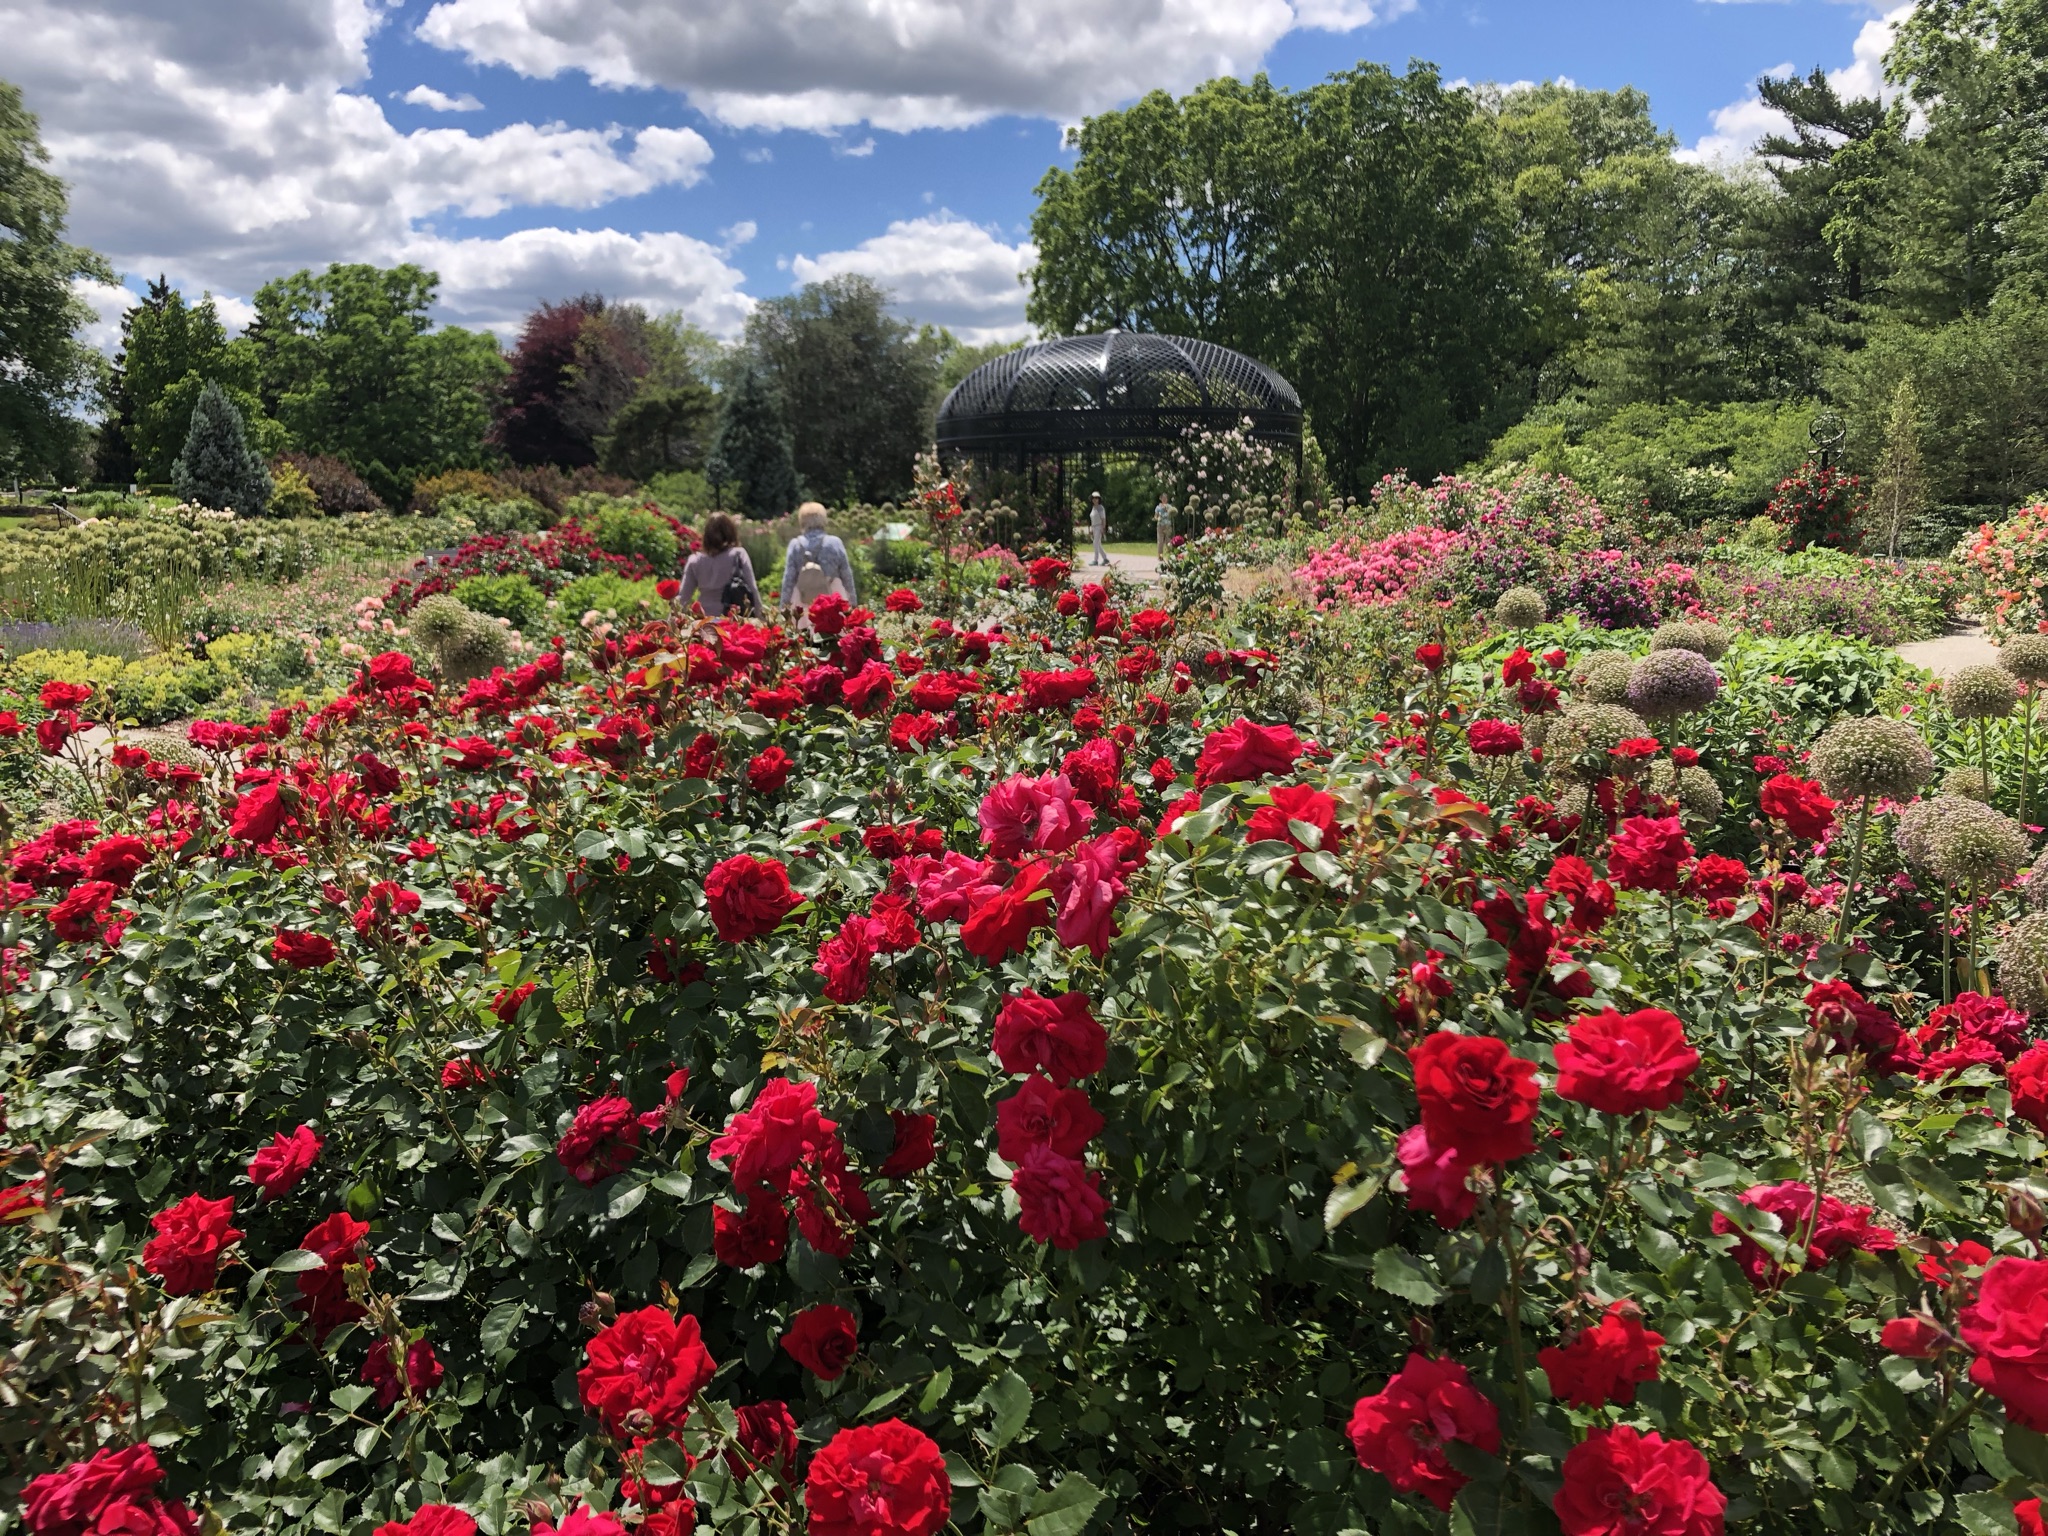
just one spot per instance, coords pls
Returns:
(1949, 654)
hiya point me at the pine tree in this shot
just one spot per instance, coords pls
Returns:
(218, 467)
(1900, 492)
(754, 446)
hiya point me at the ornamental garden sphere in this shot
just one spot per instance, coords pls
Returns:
(1520, 608)
(1667, 684)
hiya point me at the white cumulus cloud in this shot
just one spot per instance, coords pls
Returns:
(439, 101)
(941, 269)
(228, 143)
(1739, 126)
(826, 64)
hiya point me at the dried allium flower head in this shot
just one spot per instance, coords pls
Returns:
(2022, 961)
(1981, 693)
(1667, 684)
(1873, 757)
(1696, 635)
(1698, 795)
(1970, 784)
(2026, 658)
(1976, 847)
(1520, 608)
(1582, 737)
(1535, 730)
(1602, 678)
(1918, 823)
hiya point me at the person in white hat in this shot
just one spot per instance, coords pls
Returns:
(1098, 525)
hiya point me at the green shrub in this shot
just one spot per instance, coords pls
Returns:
(463, 642)
(607, 594)
(621, 528)
(428, 495)
(291, 493)
(499, 513)
(505, 597)
(683, 494)
(901, 559)
(149, 691)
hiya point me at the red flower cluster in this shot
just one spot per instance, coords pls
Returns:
(323, 1298)
(190, 1238)
(884, 1479)
(1045, 1127)
(1245, 751)
(1604, 1363)
(823, 1340)
(644, 1362)
(1827, 1228)
(748, 897)
(781, 1150)
(1624, 1063)
(276, 1169)
(2006, 1324)
(1621, 1482)
(114, 1493)
(1797, 805)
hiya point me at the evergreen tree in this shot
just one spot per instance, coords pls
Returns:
(755, 449)
(218, 467)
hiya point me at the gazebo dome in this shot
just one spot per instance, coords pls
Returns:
(1123, 389)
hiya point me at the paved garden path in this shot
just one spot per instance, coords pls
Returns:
(1949, 654)
(1143, 569)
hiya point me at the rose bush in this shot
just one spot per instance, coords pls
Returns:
(1140, 1099)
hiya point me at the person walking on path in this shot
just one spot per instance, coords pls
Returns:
(1098, 525)
(720, 575)
(815, 562)
(1162, 523)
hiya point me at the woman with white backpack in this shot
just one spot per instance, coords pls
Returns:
(816, 562)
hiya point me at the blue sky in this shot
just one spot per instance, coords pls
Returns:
(699, 154)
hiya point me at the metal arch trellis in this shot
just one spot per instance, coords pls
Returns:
(1118, 392)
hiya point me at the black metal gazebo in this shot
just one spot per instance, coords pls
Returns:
(1119, 392)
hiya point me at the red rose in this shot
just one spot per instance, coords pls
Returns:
(190, 1237)
(843, 960)
(1435, 1180)
(1796, 803)
(702, 759)
(1054, 1035)
(601, 1141)
(506, 1005)
(757, 1235)
(277, 1168)
(1086, 889)
(1244, 751)
(763, 1144)
(1838, 1010)
(2028, 1513)
(767, 1437)
(301, 951)
(1430, 657)
(2007, 1326)
(1647, 852)
(883, 1479)
(430, 1520)
(1001, 924)
(823, 1340)
(892, 925)
(902, 600)
(828, 613)
(1829, 1226)
(1024, 814)
(1617, 1481)
(768, 771)
(748, 896)
(1636, 749)
(1041, 1115)
(1059, 1199)
(913, 1149)
(1592, 901)
(1518, 668)
(1716, 877)
(1477, 1098)
(645, 1361)
(1949, 1261)
(116, 859)
(1294, 802)
(1400, 1431)
(463, 1072)
(1914, 1337)
(258, 815)
(1494, 738)
(112, 1494)
(323, 1293)
(54, 732)
(1604, 1363)
(76, 918)
(423, 1371)
(57, 695)
(2027, 1080)
(1622, 1063)
(1047, 572)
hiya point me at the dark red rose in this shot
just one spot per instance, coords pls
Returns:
(1797, 804)
(1041, 1115)
(1604, 1363)
(301, 951)
(277, 1168)
(1829, 1226)
(506, 1005)
(884, 1479)
(323, 1293)
(768, 771)
(190, 1238)
(1291, 803)
(913, 1150)
(1058, 1036)
(1400, 1431)
(1001, 924)
(1616, 1475)
(1245, 751)
(757, 1235)
(645, 1361)
(1059, 1199)
(1621, 1063)
(111, 1494)
(431, 1520)
(1647, 853)
(767, 1437)
(748, 897)
(602, 1140)
(116, 859)
(823, 1340)
(423, 1371)
(1477, 1098)
(2007, 1326)
(1494, 738)
(1914, 1337)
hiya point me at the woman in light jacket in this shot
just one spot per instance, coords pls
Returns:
(708, 575)
(815, 563)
